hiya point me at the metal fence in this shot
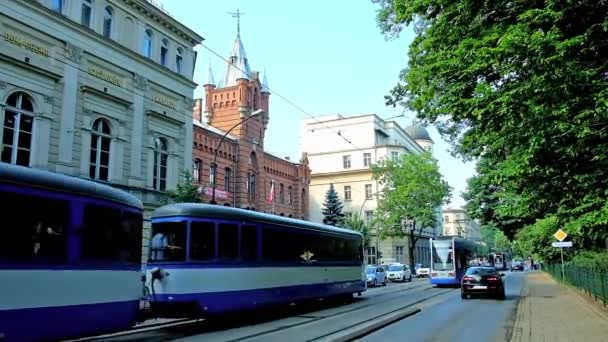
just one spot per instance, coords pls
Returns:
(592, 282)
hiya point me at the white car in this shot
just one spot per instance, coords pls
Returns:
(423, 272)
(399, 272)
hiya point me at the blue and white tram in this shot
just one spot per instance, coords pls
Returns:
(70, 261)
(207, 259)
(450, 258)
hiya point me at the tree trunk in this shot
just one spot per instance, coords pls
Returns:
(410, 249)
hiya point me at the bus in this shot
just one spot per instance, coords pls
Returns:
(450, 258)
(500, 261)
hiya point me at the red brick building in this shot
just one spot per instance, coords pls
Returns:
(245, 173)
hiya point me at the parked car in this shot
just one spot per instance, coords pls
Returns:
(482, 280)
(399, 272)
(423, 271)
(376, 275)
(517, 266)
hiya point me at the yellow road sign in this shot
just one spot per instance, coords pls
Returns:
(560, 235)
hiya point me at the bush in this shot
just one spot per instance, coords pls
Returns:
(597, 261)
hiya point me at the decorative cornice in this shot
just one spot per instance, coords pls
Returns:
(140, 82)
(189, 102)
(73, 52)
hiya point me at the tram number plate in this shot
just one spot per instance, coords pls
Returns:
(479, 287)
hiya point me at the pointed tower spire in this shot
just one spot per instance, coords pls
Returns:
(210, 80)
(265, 88)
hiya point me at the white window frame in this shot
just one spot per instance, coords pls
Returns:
(346, 161)
(100, 136)
(159, 152)
(368, 191)
(148, 43)
(164, 52)
(58, 5)
(367, 159)
(91, 6)
(108, 15)
(179, 60)
(17, 127)
(348, 196)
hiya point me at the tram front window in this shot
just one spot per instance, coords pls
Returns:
(443, 257)
(168, 241)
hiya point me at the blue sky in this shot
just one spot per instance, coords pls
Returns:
(324, 56)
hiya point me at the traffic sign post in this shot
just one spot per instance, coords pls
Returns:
(561, 235)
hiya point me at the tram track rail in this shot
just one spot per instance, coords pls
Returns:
(311, 313)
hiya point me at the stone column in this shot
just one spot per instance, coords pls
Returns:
(85, 144)
(136, 178)
(189, 131)
(41, 138)
(68, 108)
(117, 148)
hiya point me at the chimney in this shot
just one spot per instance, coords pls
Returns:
(287, 158)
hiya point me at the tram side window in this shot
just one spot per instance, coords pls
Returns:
(33, 228)
(110, 234)
(168, 241)
(228, 242)
(202, 241)
(249, 243)
(279, 245)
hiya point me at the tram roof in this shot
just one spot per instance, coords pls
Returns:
(47, 180)
(222, 212)
(459, 241)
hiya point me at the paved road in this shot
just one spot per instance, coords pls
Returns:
(453, 319)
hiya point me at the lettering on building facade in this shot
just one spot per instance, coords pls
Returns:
(21, 42)
(164, 101)
(106, 76)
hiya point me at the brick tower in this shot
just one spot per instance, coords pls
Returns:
(240, 93)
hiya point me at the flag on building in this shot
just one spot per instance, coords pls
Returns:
(271, 194)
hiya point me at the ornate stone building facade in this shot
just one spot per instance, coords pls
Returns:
(246, 176)
(98, 89)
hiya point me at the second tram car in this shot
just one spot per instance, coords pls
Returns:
(70, 262)
(450, 258)
(207, 259)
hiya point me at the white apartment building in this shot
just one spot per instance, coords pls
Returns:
(456, 222)
(341, 151)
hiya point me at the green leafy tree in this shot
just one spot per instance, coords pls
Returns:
(356, 223)
(187, 191)
(332, 208)
(413, 189)
(521, 86)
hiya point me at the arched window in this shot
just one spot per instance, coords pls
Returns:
(86, 16)
(160, 164)
(179, 60)
(197, 168)
(289, 195)
(108, 16)
(251, 185)
(164, 50)
(58, 6)
(281, 193)
(101, 138)
(147, 48)
(227, 180)
(17, 129)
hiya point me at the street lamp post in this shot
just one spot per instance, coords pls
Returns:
(217, 148)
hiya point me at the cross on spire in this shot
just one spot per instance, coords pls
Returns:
(237, 15)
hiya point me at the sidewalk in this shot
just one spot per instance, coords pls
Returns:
(549, 311)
